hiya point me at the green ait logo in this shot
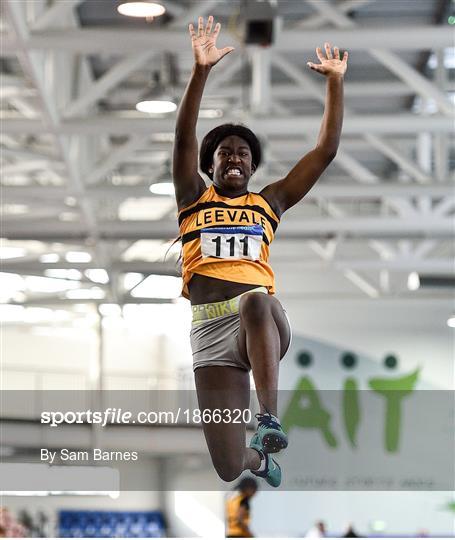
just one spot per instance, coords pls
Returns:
(306, 408)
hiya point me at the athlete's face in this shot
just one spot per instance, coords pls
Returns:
(232, 164)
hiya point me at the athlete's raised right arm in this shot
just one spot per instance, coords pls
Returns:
(188, 183)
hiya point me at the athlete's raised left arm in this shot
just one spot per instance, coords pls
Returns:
(290, 190)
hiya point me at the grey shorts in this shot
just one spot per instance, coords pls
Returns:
(215, 342)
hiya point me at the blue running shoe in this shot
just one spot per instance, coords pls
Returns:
(255, 443)
(272, 472)
(269, 435)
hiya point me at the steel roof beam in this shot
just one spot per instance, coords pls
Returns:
(109, 80)
(420, 84)
(102, 40)
(321, 190)
(317, 20)
(117, 155)
(356, 227)
(54, 14)
(33, 65)
(390, 60)
(391, 151)
(437, 265)
(298, 125)
(351, 165)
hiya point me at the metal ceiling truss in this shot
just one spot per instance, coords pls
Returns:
(60, 99)
(101, 40)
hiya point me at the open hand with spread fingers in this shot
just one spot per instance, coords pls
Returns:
(204, 43)
(331, 64)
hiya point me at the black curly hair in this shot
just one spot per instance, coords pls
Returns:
(213, 138)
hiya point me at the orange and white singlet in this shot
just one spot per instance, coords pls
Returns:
(235, 528)
(228, 239)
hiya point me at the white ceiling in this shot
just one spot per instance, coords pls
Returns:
(78, 160)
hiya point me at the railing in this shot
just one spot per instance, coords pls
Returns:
(145, 390)
(36, 378)
(40, 383)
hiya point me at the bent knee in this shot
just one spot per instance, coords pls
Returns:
(256, 305)
(228, 475)
(228, 470)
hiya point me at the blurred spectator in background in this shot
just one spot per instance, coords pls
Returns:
(350, 532)
(317, 531)
(26, 519)
(238, 509)
(10, 527)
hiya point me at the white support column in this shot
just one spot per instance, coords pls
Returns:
(441, 157)
(260, 87)
(34, 65)
(424, 150)
(424, 160)
(384, 281)
(441, 146)
(62, 66)
(89, 149)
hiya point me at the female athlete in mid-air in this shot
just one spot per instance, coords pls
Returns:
(238, 324)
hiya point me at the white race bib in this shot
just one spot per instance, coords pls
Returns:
(234, 242)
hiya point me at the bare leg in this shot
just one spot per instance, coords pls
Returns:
(225, 387)
(264, 336)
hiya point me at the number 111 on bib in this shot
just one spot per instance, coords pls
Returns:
(232, 242)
